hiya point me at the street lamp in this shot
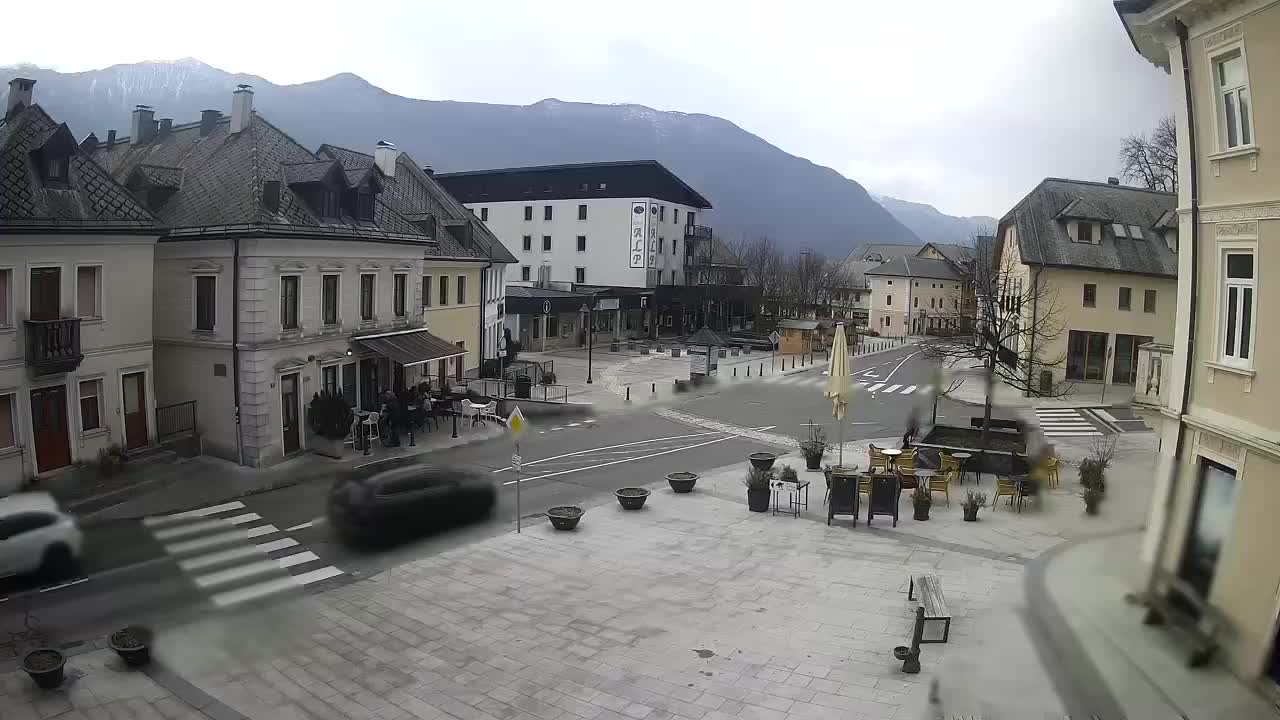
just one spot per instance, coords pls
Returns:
(590, 332)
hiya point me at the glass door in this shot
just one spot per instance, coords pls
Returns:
(1210, 525)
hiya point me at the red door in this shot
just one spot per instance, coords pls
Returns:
(49, 426)
(135, 410)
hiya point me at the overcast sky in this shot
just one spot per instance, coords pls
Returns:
(963, 105)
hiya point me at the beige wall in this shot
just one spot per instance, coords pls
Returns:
(888, 302)
(900, 298)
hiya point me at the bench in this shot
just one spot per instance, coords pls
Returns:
(1176, 604)
(936, 620)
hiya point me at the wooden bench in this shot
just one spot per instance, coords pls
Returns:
(935, 608)
(1176, 604)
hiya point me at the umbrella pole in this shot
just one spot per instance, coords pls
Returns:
(842, 439)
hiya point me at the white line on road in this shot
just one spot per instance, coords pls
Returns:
(899, 365)
(199, 512)
(612, 447)
(236, 553)
(615, 462)
(301, 526)
(910, 389)
(63, 585)
(892, 388)
(875, 387)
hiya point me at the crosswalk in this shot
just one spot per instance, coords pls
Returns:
(235, 555)
(806, 380)
(1065, 423)
(580, 424)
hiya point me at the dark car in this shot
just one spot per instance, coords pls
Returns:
(396, 500)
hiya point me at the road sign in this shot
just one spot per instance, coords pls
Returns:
(515, 461)
(774, 337)
(607, 304)
(546, 307)
(516, 422)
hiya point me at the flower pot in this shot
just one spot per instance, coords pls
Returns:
(565, 517)
(921, 512)
(762, 460)
(328, 447)
(132, 644)
(1091, 508)
(675, 352)
(758, 500)
(813, 461)
(45, 666)
(682, 482)
(901, 652)
(971, 515)
(631, 498)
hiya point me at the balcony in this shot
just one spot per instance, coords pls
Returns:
(697, 232)
(53, 346)
(1151, 384)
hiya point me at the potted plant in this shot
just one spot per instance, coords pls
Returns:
(106, 463)
(762, 460)
(330, 419)
(565, 517)
(549, 378)
(45, 666)
(682, 482)
(813, 447)
(132, 644)
(631, 498)
(757, 481)
(921, 500)
(1092, 497)
(972, 502)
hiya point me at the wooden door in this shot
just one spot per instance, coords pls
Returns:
(46, 293)
(289, 412)
(135, 410)
(49, 427)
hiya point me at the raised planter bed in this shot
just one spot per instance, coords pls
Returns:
(1005, 453)
(682, 482)
(631, 498)
(565, 517)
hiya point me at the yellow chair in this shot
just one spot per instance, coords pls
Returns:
(942, 483)
(1051, 471)
(1005, 486)
(879, 463)
(906, 466)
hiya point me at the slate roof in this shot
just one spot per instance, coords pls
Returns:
(167, 177)
(537, 292)
(917, 267)
(857, 270)
(91, 200)
(886, 251)
(1042, 235)
(799, 324)
(961, 255)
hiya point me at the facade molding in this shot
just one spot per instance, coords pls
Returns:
(1216, 427)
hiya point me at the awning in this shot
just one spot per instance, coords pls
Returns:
(411, 347)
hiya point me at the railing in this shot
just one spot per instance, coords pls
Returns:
(53, 346)
(176, 419)
(1155, 367)
(697, 232)
(506, 389)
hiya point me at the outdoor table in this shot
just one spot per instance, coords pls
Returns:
(794, 500)
(892, 454)
(963, 459)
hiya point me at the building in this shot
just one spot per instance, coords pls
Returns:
(799, 336)
(881, 252)
(1098, 262)
(851, 298)
(76, 370)
(282, 272)
(1212, 520)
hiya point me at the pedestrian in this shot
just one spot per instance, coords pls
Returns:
(395, 416)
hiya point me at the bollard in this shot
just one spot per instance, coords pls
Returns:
(748, 371)
(760, 372)
(735, 372)
(653, 388)
(628, 393)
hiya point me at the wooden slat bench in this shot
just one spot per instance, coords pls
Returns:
(935, 607)
(1176, 604)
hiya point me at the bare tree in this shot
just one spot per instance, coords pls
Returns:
(1015, 318)
(1153, 161)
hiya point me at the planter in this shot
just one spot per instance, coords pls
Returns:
(45, 666)
(675, 352)
(631, 345)
(758, 500)
(613, 347)
(631, 498)
(734, 352)
(565, 517)
(901, 652)
(328, 447)
(682, 482)
(921, 513)
(1091, 508)
(971, 515)
(813, 462)
(746, 350)
(762, 460)
(721, 352)
(644, 350)
(132, 644)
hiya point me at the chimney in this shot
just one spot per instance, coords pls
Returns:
(208, 119)
(166, 124)
(384, 156)
(143, 125)
(19, 96)
(241, 108)
(428, 170)
(1113, 181)
(89, 144)
(111, 139)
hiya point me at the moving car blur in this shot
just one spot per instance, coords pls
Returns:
(401, 499)
(37, 537)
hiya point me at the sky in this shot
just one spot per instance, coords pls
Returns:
(962, 105)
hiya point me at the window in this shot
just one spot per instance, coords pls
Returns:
(1086, 355)
(524, 273)
(289, 302)
(582, 212)
(89, 292)
(917, 300)
(1237, 311)
(329, 300)
(6, 294)
(206, 302)
(675, 216)
(1211, 525)
(526, 243)
(888, 301)
(426, 291)
(444, 290)
(674, 251)
(90, 409)
(329, 204)
(955, 304)
(579, 275)
(484, 214)
(1135, 232)
(528, 212)
(673, 277)
(329, 379)
(366, 296)
(1234, 128)
(602, 186)
(661, 245)
(349, 383)
(8, 434)
(1090, 295)
(462, 289)
(662, 212)
(364, 207)
(55, 168)
(399, 282)
(930, 303)
(582, 243)
(546, 243)
(1125, 297)
(546, 212)
(889, 282)
(1119, 230)
(1149, 301)
(1084, 232)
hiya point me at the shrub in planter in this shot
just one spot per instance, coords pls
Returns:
(330, 419)
(45, 666)
(972, 503)
(757, 482)
(107, 463)
(813, 447)
(1092, 497)
(1092, 475)
(132, 644)
(921, 501)
(549, 378)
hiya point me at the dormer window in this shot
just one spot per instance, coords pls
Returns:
(329, 203)
(364, 205)
(1084, 233)
(56, 168)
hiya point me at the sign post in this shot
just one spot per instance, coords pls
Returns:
(773, 348)
(516, 424)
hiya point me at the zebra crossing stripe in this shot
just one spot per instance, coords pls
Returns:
(875, 387)
(199, 512)
(892, 388)
(909, 390)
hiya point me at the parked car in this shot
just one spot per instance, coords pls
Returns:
(397, 499)
(36, 536)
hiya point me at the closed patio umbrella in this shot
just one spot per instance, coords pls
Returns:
(838, 382)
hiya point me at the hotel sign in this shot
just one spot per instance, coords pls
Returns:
(639, 233)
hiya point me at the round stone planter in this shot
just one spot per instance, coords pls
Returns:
(682, 482)
(46, 667)
(132, 644)
(631, 498)
(565, 517)
(762, 460)
(613, 347)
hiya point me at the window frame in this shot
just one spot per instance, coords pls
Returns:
(579, 274)
(526, 272)
(462, 290)
(1216, 56)
(1224, 286)
(98, 273)
(1080, 236)
(336, 369)
(582, 243)
(337, 300)
(582, 211)
(1085, 299)
(484, 214)
(526, 243)
(400, 295)
(15, 431)
(1149, 298)
(330, 204)
(195, 303)
(97, 401)
(443, 291)
(546, 243)
(547, 213)
(372, 296)
(426, 291)
(6, 297)
(297, 301)
(888, 300)
(1124, 298)
(528, 213)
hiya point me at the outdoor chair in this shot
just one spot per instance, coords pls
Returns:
(371, 427)
(942, 483)
(350, 439)
(1005, 486)
(1051, 471)
(879, 463)
(907, 469)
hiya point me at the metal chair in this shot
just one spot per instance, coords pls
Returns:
(370, 424)
(350, 439)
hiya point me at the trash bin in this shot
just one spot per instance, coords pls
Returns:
(524, 386)
(1046, 382)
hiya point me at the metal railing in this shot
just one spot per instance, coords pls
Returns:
(176, 419)
(508, 389)
(53, 346)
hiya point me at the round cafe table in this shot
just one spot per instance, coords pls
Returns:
(892, 454)
(963, 458)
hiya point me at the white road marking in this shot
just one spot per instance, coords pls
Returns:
(203, 526)
(297, 559)
(237, 573)
(899, 365)
(875, 387)
(892, 388)
(302, 526)
(323, 573)
(63, 585)
(199, 512)
(206, 542)
(261, 530)
(217, 558)
(271, 587)
(615, 462)
(910, 389)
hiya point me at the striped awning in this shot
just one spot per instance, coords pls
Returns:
(411, 347)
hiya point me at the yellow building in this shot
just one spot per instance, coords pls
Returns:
(1213, 517)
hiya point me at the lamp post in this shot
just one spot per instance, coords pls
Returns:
(587, 309)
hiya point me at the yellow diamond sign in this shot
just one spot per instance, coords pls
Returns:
(516, 423)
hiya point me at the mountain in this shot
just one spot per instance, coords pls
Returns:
(931, 225)
(755, 187)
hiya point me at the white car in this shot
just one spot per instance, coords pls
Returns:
(35, 535)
